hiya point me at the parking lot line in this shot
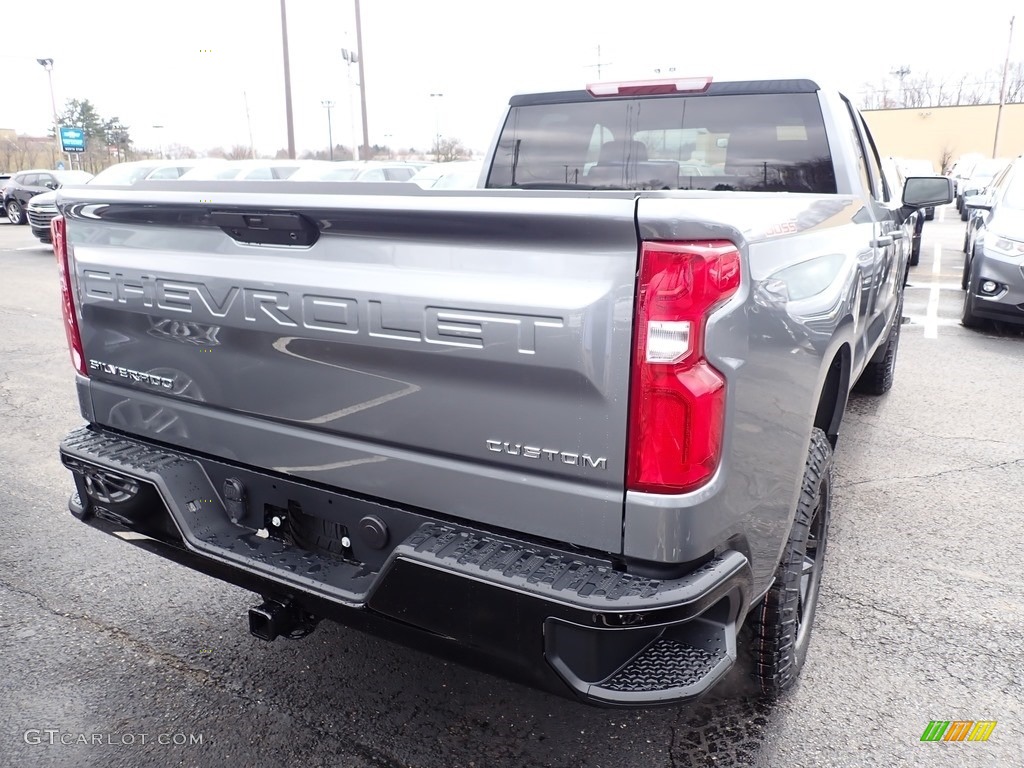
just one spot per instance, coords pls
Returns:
(931, 319)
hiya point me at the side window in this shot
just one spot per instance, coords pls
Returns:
(28, 180)
(1012, 193)
(260, 173)
(165, 173)
(1005, 189)
(374, 174)
(598, 138)
(999, 182)
(858, 145)
(398, 174)
(874, 165)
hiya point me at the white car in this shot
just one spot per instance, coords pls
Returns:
(460, 174)
(253, 170)
(42, 208)
(357, 170)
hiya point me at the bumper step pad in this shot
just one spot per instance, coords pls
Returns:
(664, 665)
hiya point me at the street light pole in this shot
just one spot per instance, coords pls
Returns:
(330, 136)
(351, 57)
(362, 86)
(47, 64)
(160, 128)
(1002, 92)
(437, 125)
(287, 83)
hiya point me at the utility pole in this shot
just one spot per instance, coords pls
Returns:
(287, 83)
(351, 57)
(330, 136)
(901, 73)
(248, 122)
(365, 150)
(599, 63)
(1002, 92)
(160, 128)
(437, 125)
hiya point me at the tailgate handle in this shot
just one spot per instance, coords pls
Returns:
(259, 228)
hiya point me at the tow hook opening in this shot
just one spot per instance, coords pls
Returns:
(275, 618)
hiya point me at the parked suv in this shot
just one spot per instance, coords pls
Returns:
(993, 281)
(27, 184)
(980, 178)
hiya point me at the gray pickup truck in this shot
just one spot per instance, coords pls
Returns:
(575, 428)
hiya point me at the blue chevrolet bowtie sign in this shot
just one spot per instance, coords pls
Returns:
(72, 139)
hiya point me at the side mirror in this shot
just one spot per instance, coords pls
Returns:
(978, 202)
(927, 191)
(51, 185)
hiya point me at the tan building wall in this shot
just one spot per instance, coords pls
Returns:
(929, 132)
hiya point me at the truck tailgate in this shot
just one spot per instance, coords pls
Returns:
(466, 354)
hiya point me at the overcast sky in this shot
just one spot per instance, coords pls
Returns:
(190, 65)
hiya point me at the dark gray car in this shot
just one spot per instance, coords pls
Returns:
(993, 279)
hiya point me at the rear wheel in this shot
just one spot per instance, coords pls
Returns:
(878, 375)
(967, 317)
(15, 212)
(964, 211)
(915, 252)
(781, 623)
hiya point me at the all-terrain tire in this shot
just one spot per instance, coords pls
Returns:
(967, 317)
(780, 625)
(878, 376)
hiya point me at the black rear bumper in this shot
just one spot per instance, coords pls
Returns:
(569, 622)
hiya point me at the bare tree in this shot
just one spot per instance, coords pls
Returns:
(926, 90)
(180, 152)
(217, 152)
(946, 159)
(447, 149)
(239, 152)
(1015, 83)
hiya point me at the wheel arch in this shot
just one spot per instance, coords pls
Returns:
(833, 394)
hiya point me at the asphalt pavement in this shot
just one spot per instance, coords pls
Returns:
(113, 657)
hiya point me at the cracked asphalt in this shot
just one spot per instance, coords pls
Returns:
(921, 615)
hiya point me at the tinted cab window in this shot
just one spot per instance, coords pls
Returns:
(750, 142)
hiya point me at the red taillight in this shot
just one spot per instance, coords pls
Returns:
(651, 87)
(677, 402)
(58, 234)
